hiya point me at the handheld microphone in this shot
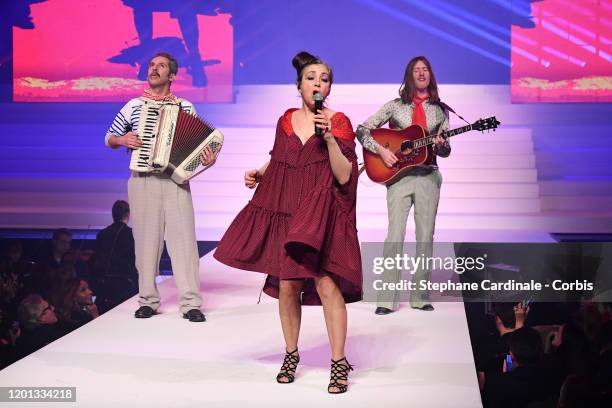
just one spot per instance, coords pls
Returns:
(318, 106)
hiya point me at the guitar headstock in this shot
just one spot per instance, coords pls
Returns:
(486, 124)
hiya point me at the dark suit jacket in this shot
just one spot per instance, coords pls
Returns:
(115, 251)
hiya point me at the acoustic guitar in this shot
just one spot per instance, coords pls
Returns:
(410, 146)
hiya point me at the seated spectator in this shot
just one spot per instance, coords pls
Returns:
(57, 277)
(576, 370)
(74, 304)
(12, 254)
(52, 278)
(493, 350)
(572, 351)
(577, 392)
(9, 288)
(9, 333)
(53, 256)
(38, 325)
(13, 271)
(590, 320)
(61, 244)
(524, 381)
(603, 377)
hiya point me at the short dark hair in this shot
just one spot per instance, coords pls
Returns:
(120, 210)
(63, 298)
(408, 88)
(61, 231)
(303, 59)
(526, 346)
(174, 66)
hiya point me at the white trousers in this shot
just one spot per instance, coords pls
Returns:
(424, 193)
(159, 208)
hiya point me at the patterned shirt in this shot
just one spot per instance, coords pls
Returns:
(128, 117)
(399, 116)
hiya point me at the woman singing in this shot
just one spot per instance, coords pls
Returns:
(299, 228)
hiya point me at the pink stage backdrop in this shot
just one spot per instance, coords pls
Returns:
(567, 56)
(65, 58)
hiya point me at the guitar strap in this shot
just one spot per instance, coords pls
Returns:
(448, 108)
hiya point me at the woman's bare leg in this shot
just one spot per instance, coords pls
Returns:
(290, 311)
(334, 310)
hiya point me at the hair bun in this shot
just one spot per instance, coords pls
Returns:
(302, 59)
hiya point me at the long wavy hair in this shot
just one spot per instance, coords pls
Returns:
(408, 88)
(64, 299)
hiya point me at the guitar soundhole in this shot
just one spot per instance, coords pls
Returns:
(406, 145)
(407, 157)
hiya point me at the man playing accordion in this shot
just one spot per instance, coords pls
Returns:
(160, 206)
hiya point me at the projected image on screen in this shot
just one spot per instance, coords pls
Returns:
(87, 50)
(566, 56)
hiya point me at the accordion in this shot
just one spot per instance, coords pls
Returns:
(172, 141)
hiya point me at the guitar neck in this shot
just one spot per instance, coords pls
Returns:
(427, 140)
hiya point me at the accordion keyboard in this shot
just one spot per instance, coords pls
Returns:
(147, 130)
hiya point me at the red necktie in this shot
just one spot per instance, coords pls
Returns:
(418, 114)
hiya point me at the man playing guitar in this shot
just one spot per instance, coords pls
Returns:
(420, 104)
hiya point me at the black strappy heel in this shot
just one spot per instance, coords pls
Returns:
(339, 372)
(288, 368)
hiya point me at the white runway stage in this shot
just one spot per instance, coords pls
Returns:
(407, 359)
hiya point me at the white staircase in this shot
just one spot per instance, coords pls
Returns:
(491, 180)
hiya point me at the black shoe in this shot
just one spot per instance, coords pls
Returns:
(194, 315)
(382, 311)
(144, 312)
(288, 368)
(426, 308)
(339, 372)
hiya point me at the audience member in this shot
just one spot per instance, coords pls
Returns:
(114, 274)
(603, 376)
(115, 245)
(74, 305)
(38, 325)
(9, 333)
(13, 273)
(61, 245)
(523, 380)
(493, 349)
(577, 392)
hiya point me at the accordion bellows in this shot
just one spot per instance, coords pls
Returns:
(172, 141)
